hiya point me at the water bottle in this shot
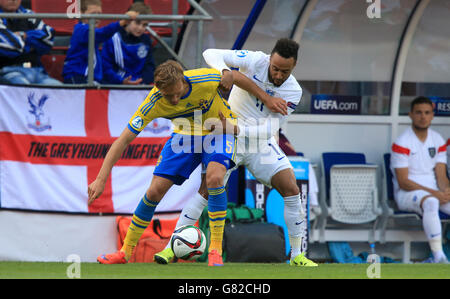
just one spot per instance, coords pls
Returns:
(373, 257)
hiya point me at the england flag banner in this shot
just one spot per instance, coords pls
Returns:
(53, 142)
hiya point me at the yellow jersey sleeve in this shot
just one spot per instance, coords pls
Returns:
(146, 112)
(203, 101)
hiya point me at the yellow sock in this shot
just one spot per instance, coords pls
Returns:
(216, 226)
(135, 231)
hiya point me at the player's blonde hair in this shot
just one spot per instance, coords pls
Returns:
(167, 74)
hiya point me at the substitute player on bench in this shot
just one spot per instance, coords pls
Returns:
(418, 163)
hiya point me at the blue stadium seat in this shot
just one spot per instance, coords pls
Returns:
(351, 197)
(389, 189)
(352, 187)
(332, 158)
(388, 176)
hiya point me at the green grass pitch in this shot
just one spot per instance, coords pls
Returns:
(53, 270)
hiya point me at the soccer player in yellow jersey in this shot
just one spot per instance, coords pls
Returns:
(190, 99)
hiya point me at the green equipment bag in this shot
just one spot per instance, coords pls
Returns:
(235, 213)
(247, 237)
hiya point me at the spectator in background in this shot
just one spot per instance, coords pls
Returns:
(75, 69)
(418, 163)
(22, 43)
(127, 57)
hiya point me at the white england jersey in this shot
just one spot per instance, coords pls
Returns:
(255, 65)
(419, 157)
(255, 120)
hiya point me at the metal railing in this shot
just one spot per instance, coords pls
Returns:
(203, 16)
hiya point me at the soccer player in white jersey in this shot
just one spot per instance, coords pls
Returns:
(418, 163)
(266, 93)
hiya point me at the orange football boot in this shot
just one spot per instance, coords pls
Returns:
(112, 258)
(214, 258)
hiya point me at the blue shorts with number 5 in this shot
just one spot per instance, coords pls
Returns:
(183, 153)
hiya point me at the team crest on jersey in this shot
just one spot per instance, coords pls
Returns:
(137, 122)
(270, 92)
(158, 125)
(38, 121)
(142, 51)
(203, 104)
(432, 151)
(241, 53)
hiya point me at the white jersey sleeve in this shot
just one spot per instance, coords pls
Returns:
(227, 59)
(400, 153)
(214, 58)
(254, 119)
(441, 150)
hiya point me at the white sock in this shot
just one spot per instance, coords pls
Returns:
(295, 219)
(192, 211)
(432, 226)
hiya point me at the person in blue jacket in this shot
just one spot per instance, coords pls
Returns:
(127, 57)
(22, 43)
(75, 70)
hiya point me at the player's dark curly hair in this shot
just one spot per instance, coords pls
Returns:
(286, 48)
(421, 100)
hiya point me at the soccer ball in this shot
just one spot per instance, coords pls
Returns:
(188, 242)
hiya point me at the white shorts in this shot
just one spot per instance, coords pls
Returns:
(409, 201)
(263, 161)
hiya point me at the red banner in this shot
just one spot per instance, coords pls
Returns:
(53, 143)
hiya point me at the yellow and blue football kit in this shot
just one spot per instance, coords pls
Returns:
(191, 143)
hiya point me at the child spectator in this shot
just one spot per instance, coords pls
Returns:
(76, 64)
(127, 57)
(23, 42)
